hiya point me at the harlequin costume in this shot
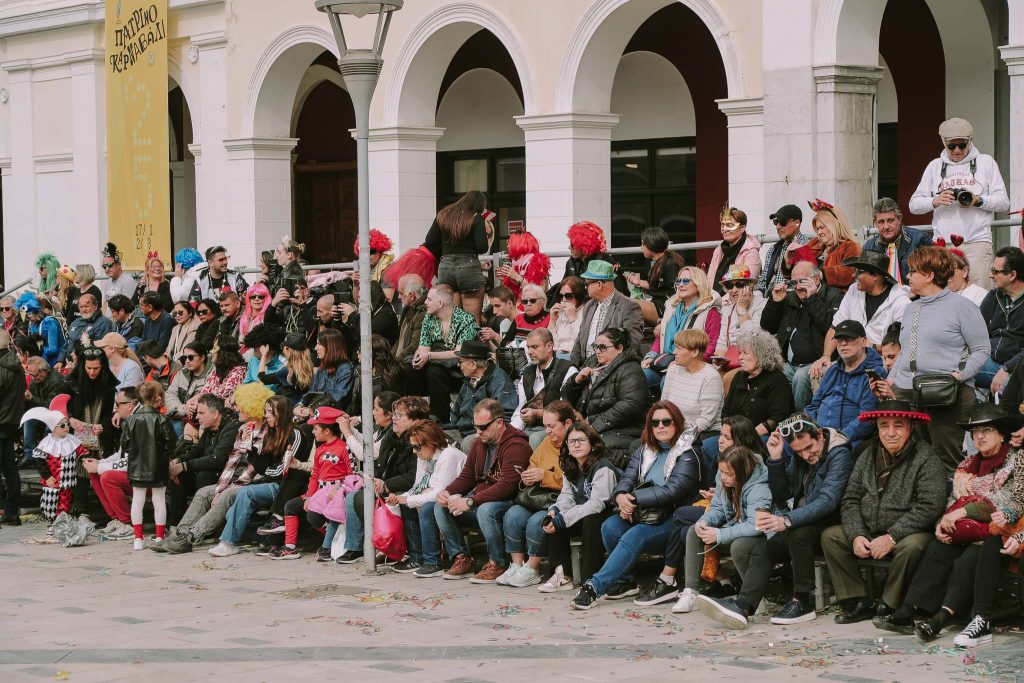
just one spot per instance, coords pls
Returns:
(56, 457)
(528, 261)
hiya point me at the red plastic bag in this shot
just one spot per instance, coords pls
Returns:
(388, 532)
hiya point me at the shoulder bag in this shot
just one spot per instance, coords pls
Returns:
(932, 389)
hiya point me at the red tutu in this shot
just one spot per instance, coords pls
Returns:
(418, 261)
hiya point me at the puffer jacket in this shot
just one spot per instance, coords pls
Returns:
(825, 490)
(914, 497)
(148, 439)
(755, 495)
(843, 396)
(495, 383)
(616, 400)
(682, 476)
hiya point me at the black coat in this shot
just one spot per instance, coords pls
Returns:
(43, 392)
(766, 399)
(211, 452)
(617, 400)
(782, 318)
(396, 463)
(148, 439)
(680, 487)
(12, 386)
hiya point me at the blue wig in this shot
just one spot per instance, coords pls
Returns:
(188, 257)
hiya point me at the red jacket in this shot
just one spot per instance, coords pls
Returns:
(511, 457)
(330, 463)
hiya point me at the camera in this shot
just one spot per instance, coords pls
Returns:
(342, 298)
(290, 284)
(962, 196)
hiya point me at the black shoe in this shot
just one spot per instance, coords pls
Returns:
(883, 610)
(274, 526)
(350, 557)
(897, 622)
(718, 589)
(929, 630)
(323, 554)
(725, 611)
(657, 593)
(586, 598)
(264, 549)
(406, 566)
(861, 611)
(796, 611)
(11, 520)
(621, 590)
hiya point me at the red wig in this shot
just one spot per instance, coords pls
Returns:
(587, 238)
(379, 242)
(527, 260)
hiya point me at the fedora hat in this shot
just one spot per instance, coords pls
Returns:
(599, 270)
(992, 415)
(474, 349)
(875, 261)
(895, 408)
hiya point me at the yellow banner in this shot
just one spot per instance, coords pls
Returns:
(138, 182)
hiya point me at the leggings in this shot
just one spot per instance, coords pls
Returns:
(159, 509)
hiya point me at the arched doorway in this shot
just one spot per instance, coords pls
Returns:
(182, 168)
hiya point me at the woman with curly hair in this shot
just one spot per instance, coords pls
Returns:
(228, 371)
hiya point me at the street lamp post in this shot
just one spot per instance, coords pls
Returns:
(360, 70)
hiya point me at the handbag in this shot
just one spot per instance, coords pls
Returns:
(648, 515)
(932, 389)
(968, 531)
(512, 359)
(536, 498)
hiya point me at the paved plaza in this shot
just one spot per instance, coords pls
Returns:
(104, 613)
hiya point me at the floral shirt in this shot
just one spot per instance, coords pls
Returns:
(463, 328)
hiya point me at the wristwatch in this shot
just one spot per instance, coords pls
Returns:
(469, 502)
(788, 522)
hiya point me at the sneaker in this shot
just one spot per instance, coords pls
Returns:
(274, 526)
(657, 593)
(586, 598)
(428, 571)
(406, 566)
(111, 525)
(461, 567)
(284, 553)
(723, 610)
(503, 580)
(11, 520)
(324, 555)
(224, 549)
(139, 544)
(119, 532)
(489, 573)
(526, 576)
(84, 519)
(976, 633)
(620, 591)
(796, 611)
(350, 557)
(719, 589)
(177, 544)
(264, 549)
(557, 582)
(686, 603)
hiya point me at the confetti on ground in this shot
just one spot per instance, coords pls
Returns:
(204, 565)
(368, 627)
(429, 602)
(970, 658)
(819, 663)
(513, 610)
(61, 676)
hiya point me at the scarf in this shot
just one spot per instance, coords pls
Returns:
(729, 254)
(424, 482)
(982, 467)
(680, 317)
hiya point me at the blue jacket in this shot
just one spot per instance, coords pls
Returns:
(53, 337)
(94, 328)
(338, 386)
(158, 330)
(755, 495)
(825, 491)
(909, 240)
(842, 396)
(495, 383)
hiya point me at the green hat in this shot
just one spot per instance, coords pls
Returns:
(599, 270)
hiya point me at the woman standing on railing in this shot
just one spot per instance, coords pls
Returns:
(464, 232)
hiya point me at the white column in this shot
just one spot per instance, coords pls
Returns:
(746, 156)
(1013, 55)
(20, 234)
(845, 137)
(403, 182)
(568, 173)
(89, 133)
(259, 197)
(212, 177)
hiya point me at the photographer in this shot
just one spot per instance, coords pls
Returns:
(293, 304)
(964, 188)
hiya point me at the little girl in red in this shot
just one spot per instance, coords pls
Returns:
(331, 463)
(56, 457)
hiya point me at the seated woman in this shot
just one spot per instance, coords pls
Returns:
(660, 282)
(185, 384)
(523, 521)
(613, 395)
(533, 315)
(295, 375)
(742, 306)
(122, 360)
(332, 381)
(186, 323)
(961, 566)
(257, 305)
(563, 321)
(208, 314)
(663, 474)
(438, 463)
(265, 342)
(228, 372)
(693, 307)
(694, 385)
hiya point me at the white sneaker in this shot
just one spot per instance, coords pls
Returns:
(139, 544)
(556, 583)
(686, 602)
(119, 531)
(111, 525)
(224, 549)
(503, 580)
(526, 576)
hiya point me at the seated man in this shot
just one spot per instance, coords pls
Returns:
(845, 390)
(156, 322)
(896, 492)
(500, 328)
(90, 323)
(109, 476)
(541, 383)
(161, 368)
(445, 329)
(807, 491)
(481, 379)
(46, 385)
(483, 492)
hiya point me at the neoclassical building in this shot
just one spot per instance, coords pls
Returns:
(626, 112)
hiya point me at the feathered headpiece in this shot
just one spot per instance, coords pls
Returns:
(188, 257)
(110, 250)
(587, 238)
(379, 242)
(27, 303)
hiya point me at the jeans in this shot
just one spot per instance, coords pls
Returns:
(982, 380)
(33, 431)
(654, 379)
(9, 469)
(523, 531)
(624, 542)
(249, 499)
(799, 376)
(353, 523)
(411, 526)
(487, 517)
(178, 426)
(430, 535)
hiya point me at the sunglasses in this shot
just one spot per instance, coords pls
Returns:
(63, 424)
(530, 302)
(203, 311)
(794, 426)
(733, 285)
(578, 441)
(176, 312)
(568, 296)
(600, 347)
(483, 427)
(189, 358)
(415, 447)
(107, 266)
(662, 422)
(683, 281)
(92, 353)
(6, 308)
(957, 145)
(256, 296)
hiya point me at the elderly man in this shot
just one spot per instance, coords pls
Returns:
(964, 189)
(894, 239)
(1002, 310)
(481, 379)
(156, 322)
(90, 325)
(845, 390)
(482, 493)
(606, 308)
(12, 407)
(412, 293)
(541, 383)
(896, 492)
(787, 220)
(445, 329)
(800, 318)
(11, 320)
(216, 278)
(806, 489)
(109, 476)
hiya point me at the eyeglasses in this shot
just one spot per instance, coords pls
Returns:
(996, 271)
(794, 426)
(63, 424)
(683, 281)
(662, 422)
(957, 145)
(124, 403)
(176, 312)
(107, 266)
(578, 441)
(6, 308)
(398, 416)
(189, 358)
(483, 427)
(530, 302)
(600, 347)
(203, 311)
(415, 447)
(982, 431)
(568, 296)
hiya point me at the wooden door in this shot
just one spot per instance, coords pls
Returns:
(326, 212)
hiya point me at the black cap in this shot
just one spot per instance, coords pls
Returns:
(295, 341)
(849, 329)
(787, 213)
(474, 350)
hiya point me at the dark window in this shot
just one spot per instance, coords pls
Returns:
(888, 159)
(500, 173)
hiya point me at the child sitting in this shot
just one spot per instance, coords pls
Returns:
(148, 439)
(56, 458)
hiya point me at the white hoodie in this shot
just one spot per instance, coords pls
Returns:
(972, 223)
(181, 287)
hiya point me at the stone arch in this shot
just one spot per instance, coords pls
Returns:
(588, 70)
(270, 98)
(186, 80)
(412, 87)
(314, 76)
(847, 32)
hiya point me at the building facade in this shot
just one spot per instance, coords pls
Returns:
(626, 112)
